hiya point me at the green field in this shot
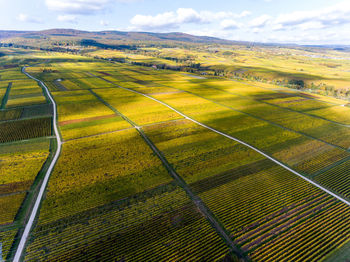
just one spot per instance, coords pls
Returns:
(161, 165)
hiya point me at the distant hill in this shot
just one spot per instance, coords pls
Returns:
(9, 33)
(115, 35)
(116, 39)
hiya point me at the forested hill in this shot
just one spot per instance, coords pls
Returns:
(115, 35)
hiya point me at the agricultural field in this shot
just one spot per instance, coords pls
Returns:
(154, 226)
(161, 165)
(74, 105)
(24, 129)
(113, 174)
(21, 164)
(25, 92)
(315, 71)
(230, 193)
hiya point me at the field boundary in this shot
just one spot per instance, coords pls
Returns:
(6, 96)
(266, 120)
(280, 107)
(29, 224)
(239, 141)
(195, 199)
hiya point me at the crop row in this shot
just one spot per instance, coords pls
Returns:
(37, 111)
(24, 129)
(336, 178)
(79, 104)
(10, 74)
(139, 109)
(340, 114)
(299, 104)
(257, 209)
(93, 127)
(25, 92)
(321, 160)
(288, 119)
(195, 152)
(11, 114)
(17, 171)
(94, 171)
(311, 239)
(9, 206)
(285, 145)
(245, 200)
(163, 227)
(6, 238)
(257, 201)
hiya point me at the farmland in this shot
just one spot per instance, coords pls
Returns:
(160, 165)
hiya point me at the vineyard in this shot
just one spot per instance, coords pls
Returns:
(139, 109)
(24, 151)
(24, 129)
(25, 92)
(93, 126)
(137, 181)
(79, 104)
(122, 165)
(161, 226)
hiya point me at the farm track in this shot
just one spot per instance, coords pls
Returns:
(195, 199)
(111, 132)
(239, 141)
(265, 120)
(34, 212)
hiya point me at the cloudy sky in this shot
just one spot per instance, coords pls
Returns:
(286, 21)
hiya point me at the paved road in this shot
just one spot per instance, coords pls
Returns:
(35, 209)
(239, 141)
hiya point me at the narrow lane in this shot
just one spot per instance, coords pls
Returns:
(34, 212)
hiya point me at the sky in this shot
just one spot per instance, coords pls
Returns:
(277, 21)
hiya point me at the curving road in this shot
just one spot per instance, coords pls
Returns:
(34, 212)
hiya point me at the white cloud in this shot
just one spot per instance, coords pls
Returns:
(181, 16)
(83, 7)
(104, 23)
(257, 30)
(129, 1)
(260, 21)
(244, 14)
(77, 6)
(28, 19)
(230, 24)
(168, 19)
(311, 25)
(334, 15)
(67, 18)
